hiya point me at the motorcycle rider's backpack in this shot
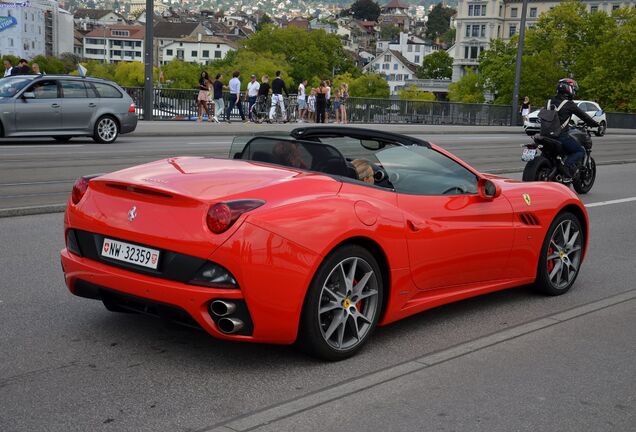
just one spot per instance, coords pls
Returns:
(550, 124)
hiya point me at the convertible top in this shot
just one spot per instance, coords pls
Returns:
(307, 133)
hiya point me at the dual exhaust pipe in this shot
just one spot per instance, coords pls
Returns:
(222, 309)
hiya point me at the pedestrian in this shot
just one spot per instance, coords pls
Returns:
(302, 101)
(35, 68)
(344, 96)
(22, 68)
(327, 100)
(8, 67)
(525, 108)
(252, 93)
(278, 86)
(263, 94)
(217, 97)
(336, 105)
(311, 106)
(321, 102)
(204, 96)
(235, 97)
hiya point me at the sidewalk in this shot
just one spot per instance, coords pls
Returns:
(573, 371)
(191, 128)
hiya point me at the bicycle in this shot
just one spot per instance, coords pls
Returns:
(291, 111)
(260, 109)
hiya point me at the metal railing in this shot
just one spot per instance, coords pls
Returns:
(180, 104)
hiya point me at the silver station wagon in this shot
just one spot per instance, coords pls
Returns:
(62, 106)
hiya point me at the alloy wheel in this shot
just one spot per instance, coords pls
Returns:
(564, 254)
(107, 129)
(348, 303)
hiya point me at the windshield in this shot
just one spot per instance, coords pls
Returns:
(11, 85)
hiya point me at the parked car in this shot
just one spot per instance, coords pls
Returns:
(316, 236)
(532, 126)
(63, 106)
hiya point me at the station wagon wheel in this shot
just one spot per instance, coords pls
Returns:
(106, 130)
(343, 304)
(561, 255)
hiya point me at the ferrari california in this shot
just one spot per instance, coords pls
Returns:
(315, 237)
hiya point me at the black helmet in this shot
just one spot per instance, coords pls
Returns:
(567, 87)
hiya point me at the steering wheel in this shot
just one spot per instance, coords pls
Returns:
(454, 188)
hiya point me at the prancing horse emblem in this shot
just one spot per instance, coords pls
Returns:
(527, 199)
(132, 214)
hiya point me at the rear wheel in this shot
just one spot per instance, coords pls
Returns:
(584, 182)
(343, 304)
(62, 138)
(538, 169)
(561, 255)
(106, 130)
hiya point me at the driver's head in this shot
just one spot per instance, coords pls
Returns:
(364, 171)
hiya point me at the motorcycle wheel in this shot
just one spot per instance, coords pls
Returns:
(586, 178)
(538, 169)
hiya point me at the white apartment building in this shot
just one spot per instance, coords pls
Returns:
(201, 49)
(395, 68)
(479, 21)
(115, 44)
(413, 48)
(35, 27)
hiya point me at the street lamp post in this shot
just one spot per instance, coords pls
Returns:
(515, 92)
(148, 90)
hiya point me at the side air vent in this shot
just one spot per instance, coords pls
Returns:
(529, 219)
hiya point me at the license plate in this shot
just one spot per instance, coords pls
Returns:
(130, 253)
(528, 154)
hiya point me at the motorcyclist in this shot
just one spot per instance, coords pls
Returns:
(566, 90)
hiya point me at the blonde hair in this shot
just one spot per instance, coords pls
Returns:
(265, 78)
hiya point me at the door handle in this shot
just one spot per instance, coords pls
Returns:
(91, 105)
(413, 226)
(55, 105)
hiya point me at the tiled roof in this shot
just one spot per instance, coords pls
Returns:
(412, 67)
(94, 14)
(134, 32)
(168, 30)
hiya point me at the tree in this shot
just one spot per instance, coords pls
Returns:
(50, 65)
(412, 93)
(438, 21)
(389, 32)
(179, 74)
(365, 10)
(467, 90)
(369, 85)
(438, 65)
(248, 62)
(266, 19)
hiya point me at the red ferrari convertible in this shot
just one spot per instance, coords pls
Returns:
(316, 236)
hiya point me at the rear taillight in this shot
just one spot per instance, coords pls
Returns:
(222, 215)
(80, 187)
(132, 108)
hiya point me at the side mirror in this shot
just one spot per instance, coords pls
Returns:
(487, 189)
(28, 95)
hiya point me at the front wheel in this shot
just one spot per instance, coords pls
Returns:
(538, 169)
(561, 255)
(106, 130)
(584, 182)
(343, 304)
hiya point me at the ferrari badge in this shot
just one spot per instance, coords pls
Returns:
(527, 199)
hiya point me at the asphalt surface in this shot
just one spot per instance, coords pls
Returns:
(66, 364)
(40, 173)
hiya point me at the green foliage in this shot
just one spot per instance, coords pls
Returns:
(438, 65)
(98, 69)
(412, 93)
(179, 74)
(365, 10)
(248, 62)
(469, 89)
(50, 65)
(370, 85)
(130, 74)
(389, 32)
(438, 21)
(593, 48)
(13, 59)
(264, 21)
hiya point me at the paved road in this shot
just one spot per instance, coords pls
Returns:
(66, 364)
(39, 173)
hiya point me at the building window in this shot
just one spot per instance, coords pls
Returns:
(513, 30)
(483, 30)
(387, 57)
(10, 42)
(475, 32)
(533, 12)
(124, 33)
(206, 53)
(168, 52)
(417, 60)
(615, 7)
(500, 9)
(474, 52)
(477, 10)
(410, 48)
(395, 66)
(398, 77)
(217, 54)
(406, 76)
(593, 8)
(137, 54)
(466, 50)
(194, 53)
(468, 30)
(138, 43)
(513, 12)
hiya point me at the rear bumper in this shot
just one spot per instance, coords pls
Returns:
(128, 123)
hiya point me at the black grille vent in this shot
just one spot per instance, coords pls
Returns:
(529, 219)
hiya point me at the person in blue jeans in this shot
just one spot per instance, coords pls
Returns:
(235, 96)
(566, 90)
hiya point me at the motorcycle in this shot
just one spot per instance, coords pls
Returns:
(545, 159)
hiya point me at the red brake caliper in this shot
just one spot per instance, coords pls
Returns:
(358, 304)
(550, 262)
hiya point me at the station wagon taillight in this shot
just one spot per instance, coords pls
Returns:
(132, 108)
(222, 215)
